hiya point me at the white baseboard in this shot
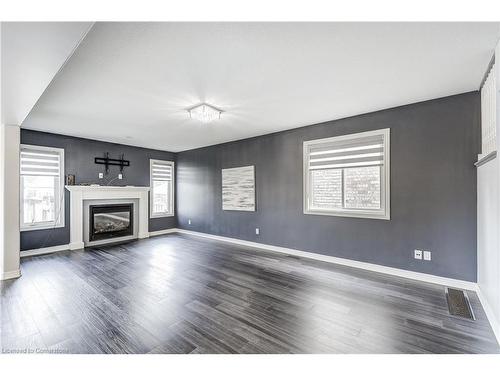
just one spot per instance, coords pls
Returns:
(76, 245)
(44, 250)
(490, 314)
(80, 245)
(10, 275)
(143, 235)
(455, 283)
(163, 231)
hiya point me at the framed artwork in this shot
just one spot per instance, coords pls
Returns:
(238, 189)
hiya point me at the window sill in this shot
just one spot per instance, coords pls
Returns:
(157, 216)
(41, 227)
(359, 215)
(486, 158)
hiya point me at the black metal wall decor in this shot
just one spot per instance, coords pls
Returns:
(107, 161)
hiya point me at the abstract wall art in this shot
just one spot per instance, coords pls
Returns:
(238, 189)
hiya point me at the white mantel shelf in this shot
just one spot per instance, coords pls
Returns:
(104, 187)
(80, 193)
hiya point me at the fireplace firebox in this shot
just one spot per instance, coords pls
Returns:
(110, 221)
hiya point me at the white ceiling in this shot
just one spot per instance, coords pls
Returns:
(132, 82)
(32, 54)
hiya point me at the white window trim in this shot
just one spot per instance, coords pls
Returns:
(172, 191)
(385, 212)
(60, 223)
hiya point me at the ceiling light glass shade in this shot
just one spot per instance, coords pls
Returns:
(205, 113)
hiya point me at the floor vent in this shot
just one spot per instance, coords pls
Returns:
(459, 304)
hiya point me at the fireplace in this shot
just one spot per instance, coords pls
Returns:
(110, 221)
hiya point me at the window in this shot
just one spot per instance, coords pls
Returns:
(488, 114)
(42, 187)
(162, 188)
(348, 175)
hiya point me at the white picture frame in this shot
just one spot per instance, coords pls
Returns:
(238, 189)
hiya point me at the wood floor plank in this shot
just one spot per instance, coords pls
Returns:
(182, 294)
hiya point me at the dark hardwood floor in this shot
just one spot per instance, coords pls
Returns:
(183, 294)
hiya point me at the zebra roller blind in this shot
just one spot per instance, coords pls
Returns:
(161, 171)
(40, 162)
(335, 154)
(488, 114)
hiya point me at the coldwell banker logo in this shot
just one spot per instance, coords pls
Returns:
(35, 351)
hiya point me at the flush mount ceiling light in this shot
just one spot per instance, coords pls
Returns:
(204, 113)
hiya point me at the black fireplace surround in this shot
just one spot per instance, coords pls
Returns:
(111, 221)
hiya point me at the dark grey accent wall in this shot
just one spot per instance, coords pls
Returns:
(79, 154)
(433, 190)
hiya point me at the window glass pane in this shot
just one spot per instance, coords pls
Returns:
(362, 188)
(326, 188)
(39, 198)
(161, 192)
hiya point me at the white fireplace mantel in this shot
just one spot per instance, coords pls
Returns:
(79, 193)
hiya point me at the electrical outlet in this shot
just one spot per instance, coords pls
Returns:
(120, 176)
(189, 221)
(418, 254)
(101, 175)
(427, 255)
(257, 231)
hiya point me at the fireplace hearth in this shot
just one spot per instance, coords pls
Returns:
(110, 221)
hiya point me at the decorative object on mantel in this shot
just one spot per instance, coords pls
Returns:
(70, 180)
(107, 161)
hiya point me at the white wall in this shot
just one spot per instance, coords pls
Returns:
(488, 257)
(1, 156)
(488, 225)
(9, 189)
(1, 200)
